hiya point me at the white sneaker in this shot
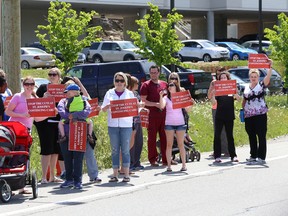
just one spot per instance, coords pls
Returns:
(218, 160)
(260, 161)
(235, 159)
(251, 159)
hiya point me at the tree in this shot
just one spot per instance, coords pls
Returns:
(160, 38)
(64, 31)
(279, 39)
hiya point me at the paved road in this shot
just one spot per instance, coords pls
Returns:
(206, 189)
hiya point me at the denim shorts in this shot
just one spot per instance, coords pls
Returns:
(176, 127)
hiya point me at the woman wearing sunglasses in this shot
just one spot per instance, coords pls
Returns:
(174, 123)
(119, 129)
(50, 149)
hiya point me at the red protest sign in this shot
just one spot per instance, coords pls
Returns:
(258, 61)
(7, 100)
(181, 99)
(124, 108)
(41, 107)
(56, 90)
(144, 116)
(77, 136)
(94, 105)
(225, 87)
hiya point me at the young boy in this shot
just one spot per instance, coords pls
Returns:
(75, 104)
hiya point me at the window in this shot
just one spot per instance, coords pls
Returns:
(95, 46)
(106, 46)
(76, 72)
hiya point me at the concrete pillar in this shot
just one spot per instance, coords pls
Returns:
(11, 37)
(210, 26)
(198, 28)
(130, 24)
(220, 23)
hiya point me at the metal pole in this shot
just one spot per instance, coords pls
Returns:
(260, 26)
(172, 5)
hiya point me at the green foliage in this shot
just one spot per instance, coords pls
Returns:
(160, 36)
(279, 38)
(64, 31)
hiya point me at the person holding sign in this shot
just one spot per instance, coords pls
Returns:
(255, 113)
(73, 159)
(174, 123)
(119, 128)
(224, 116)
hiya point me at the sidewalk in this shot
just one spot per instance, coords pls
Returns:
(51, 195)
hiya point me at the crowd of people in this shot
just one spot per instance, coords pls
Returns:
(125, 133)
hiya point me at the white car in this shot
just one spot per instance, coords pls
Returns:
(202, 50)
(109, 51)
(255, 46)
(35, 58)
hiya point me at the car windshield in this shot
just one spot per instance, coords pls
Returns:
(208, 44)
(127, 45)
(236, 46)
(34, 51)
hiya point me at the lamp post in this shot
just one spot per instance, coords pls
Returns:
(172, 5)
(260, 26)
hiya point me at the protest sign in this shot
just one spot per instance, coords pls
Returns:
(144, 117)
(7, 100)
(94, 105)
(259, 60)
(181, 99)
(56, 90)
(124, 108)
(77, 136)
(225, 87)
(41, 107)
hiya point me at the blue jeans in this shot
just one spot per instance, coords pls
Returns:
(73, 161)
(120, 139)
(91, 162)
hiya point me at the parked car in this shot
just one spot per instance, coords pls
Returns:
(237, 52)
(202, 50)
(98, 77)
(80, 60)
(35, 58)
(255, 46)
(275, 85)
(250, 37)
(108, 51)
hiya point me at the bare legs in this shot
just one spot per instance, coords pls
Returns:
(46, 161)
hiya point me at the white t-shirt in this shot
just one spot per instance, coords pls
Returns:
(255, 101)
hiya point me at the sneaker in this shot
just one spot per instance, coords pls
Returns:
(67, 184)
(62, 139)
(235, 159)
(140, 167)
(251, 159)
(44, 181)
(261, 161)
(218, 160)
(77, 185)
(96, 180)
(63, 175)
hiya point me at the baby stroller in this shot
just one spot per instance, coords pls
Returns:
(189, 145)
(15, 142)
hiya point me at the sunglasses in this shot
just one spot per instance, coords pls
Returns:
(52, 74)
(173, 78)
(171, 85)
(28, 84)
(119, 80)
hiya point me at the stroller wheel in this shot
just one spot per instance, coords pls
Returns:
(34, 185)
(192, 156)
(5, 192)
(198, 156)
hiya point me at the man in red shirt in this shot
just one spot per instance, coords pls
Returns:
(150, 96)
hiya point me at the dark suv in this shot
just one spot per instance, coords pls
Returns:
(275, 85)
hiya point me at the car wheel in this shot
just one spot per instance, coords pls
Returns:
(128, 58)
(25, 65)
(235, 57)
(207, 58)
(97, 59)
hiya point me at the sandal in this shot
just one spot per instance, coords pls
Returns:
(113, 179)
(169, 170)
(183, 169)
(56, 180)
(126, 179)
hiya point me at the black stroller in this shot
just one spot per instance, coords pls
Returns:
(15, 141)
(189, 145)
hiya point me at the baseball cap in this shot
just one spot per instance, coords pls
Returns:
(72, 87)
